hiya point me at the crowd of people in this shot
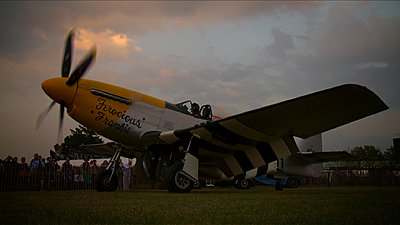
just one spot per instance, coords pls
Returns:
(41, 174)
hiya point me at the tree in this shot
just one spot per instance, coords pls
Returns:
(392, 156)
(368, 154)
(80, 136)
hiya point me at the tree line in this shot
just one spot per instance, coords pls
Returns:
(369, 157)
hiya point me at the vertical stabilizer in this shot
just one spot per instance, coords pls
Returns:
(311, 144)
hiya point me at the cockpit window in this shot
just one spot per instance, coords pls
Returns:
(185, 106)
(206, 112)
(192, 108)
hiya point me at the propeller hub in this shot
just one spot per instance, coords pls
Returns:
(59, 91)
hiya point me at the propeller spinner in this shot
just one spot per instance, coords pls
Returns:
(62, 90)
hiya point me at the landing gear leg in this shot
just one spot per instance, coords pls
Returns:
(107, 180)
(191, 162)
(278, 185)
(181, 176)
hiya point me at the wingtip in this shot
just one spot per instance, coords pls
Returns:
(71, 33)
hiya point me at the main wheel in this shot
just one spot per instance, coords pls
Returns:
(175, 181)
(104, 183)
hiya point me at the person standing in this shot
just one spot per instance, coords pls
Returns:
(86, 172)
(128, 168)
(23, 174)
(66, 171)
(93, 172)
(36, 166)
(119, 171)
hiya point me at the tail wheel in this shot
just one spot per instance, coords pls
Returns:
(175, 181)
(292, 182)
(104, 183)
(242, 184)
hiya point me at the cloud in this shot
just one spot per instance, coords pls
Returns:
(155, 58)
(138, 48)
(111, 45)
(164, 78)
(140, 18)
(351, 40)
(226, 89)
(337, 47)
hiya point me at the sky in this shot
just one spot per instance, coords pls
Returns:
(238, 55)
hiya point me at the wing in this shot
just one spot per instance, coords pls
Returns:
(240, 143)
(320, 157)
(314, 113)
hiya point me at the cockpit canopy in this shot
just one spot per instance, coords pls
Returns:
(192, 108)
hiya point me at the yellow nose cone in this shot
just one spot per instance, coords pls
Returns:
(59, 91)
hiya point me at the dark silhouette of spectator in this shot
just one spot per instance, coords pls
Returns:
(51, 173)
(36, 167)
(47, 174)
(78, 177)
(93, 172)
(66, 174)
(8, 173)
(128, 170)
(13, 173)
(23, 174)
(119, 172)
(104, 165)
(86, 172)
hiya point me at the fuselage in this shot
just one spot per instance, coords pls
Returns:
(117, 113)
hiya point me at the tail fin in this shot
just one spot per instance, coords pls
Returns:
(311, 144)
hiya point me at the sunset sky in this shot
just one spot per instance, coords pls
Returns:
(238, 55)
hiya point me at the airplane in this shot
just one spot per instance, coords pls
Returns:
(182, 143)
(308, 162)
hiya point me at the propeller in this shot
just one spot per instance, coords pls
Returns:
(75, 76)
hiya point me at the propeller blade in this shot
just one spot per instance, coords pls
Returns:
(60, 124)
(43, 115)
(80, 70)
(66, 65)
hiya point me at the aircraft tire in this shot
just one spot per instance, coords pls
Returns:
(175, 181)
(292, 182)
(102, 183)
(242, 184)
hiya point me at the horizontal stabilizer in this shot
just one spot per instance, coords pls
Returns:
(320, 157)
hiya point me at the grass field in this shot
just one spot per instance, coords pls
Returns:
(260, 205)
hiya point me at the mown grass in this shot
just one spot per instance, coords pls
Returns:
(261, 205)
